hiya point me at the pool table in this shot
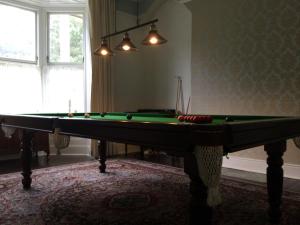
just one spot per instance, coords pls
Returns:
(166, 132)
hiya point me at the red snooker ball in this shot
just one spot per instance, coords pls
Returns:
(180, 118)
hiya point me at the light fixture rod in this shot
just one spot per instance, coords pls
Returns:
(129, 29)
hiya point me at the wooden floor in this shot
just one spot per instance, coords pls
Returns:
(9, 166)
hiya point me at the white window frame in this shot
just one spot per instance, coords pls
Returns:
(42, 38)
(83, 35)
(35, 11)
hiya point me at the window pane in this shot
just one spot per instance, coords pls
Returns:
(64, 85)
(17, 33)
(21, 90)
(66, 38)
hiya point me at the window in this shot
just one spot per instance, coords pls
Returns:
(18, 34)
(64, 74)
(54, 79)
(21, 90)
(65, 38)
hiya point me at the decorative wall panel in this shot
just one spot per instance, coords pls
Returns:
(246, 58)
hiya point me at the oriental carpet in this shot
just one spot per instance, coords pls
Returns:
(132, 192)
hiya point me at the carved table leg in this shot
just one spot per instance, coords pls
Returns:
(102, 145)
(26, 155)
(200, 212)
(275, 152)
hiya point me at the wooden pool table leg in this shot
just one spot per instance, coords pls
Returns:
(275, 152)
(26, 155)
(102, 145)
(200, 212)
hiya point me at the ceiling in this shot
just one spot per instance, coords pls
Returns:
(54, 2)
(128, 6)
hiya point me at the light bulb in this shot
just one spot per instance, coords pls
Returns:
(104, 52)
(153, 40)
(126, 47)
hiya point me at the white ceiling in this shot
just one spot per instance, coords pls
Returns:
(55, 2)
(128, 6)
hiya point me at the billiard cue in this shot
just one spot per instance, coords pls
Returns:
(188, 105)
(70, 105)
(177, 93)
(181, 96)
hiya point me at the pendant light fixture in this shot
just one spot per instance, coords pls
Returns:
(103, 50)
(153, 38)
(126, 45)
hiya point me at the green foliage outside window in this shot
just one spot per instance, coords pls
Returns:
(75, 42)
(76, 39)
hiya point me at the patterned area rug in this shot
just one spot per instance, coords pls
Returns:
(130, 193)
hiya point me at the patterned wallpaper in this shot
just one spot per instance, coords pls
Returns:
(246, 58)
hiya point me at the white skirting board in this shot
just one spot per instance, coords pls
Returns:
(71, 150)
(259, 166)
(77, 146)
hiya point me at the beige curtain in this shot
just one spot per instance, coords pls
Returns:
(101, 19)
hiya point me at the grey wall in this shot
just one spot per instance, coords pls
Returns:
(146, 79)
(163, 63)
(245, 60)
(129, 84)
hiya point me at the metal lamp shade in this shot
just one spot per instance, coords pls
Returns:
(153, 37)
(103, 50)
(126, 44)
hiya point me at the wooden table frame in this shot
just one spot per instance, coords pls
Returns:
(179, 139)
